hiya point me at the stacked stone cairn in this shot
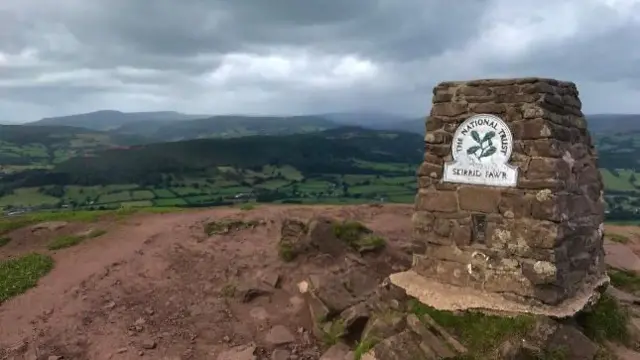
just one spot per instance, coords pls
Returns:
(529, 229)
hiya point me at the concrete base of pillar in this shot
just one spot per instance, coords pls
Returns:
(453, 298)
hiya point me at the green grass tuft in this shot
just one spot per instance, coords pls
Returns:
(363, 347)
(606, 321)
(11, 223)
(247, 206)
(371, 241)
(226, 226)
(66, 241)
(229, 290)
(350, 231)
(357, 236)
(4, 240)
(20, 274)
(624, 280)
(480, 333)
(618, 238)
(556, 353)
(286, 251)
(332, 332)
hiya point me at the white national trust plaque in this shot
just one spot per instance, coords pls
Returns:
(481, 150)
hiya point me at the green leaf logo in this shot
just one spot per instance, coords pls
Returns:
(485, 145)
(490, 151)
(473, 149)
(476, 136)
(488, 136)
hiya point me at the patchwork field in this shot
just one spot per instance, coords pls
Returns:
(272, 184)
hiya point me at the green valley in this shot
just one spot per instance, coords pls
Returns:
(343, 165)
(237, 159)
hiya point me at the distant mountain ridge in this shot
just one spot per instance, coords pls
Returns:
(112, 119)
(173, 126)
(613, 123)
(227, 126)
(334, 151)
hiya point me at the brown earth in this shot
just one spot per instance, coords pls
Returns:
(155, 286)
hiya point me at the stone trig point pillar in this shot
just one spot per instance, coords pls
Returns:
(509, 208)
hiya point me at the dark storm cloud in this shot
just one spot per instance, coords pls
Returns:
(301, 56)
(179, 29)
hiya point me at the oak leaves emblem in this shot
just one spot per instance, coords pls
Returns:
(484, 147)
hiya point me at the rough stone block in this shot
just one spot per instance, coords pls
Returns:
(439, 201)
(481, 199)
(510, 196)
(448, 109)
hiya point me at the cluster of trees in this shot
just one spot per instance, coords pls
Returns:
(620, 214)
(329, 152)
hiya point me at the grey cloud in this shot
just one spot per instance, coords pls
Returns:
(607, 57)
(168, 49)
(383, 28)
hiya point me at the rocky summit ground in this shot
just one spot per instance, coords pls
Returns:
(242, 284)
(157, 286)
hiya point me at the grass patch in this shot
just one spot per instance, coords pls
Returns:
(137, 203)
(556, 353)
(62, 242)
(332, 332)
(4, 240)
(229, 290)
(350, 231)
(371, 241)
(126, 211)
(169, 202)
(66, 241)
(624, 280)
(292, 232)
(357, 236)
(618, 238)
(247, 207)
(605, 354)
(226, 226)
(142, 195)
(363, 347)
(20, 274)
(164, 193)
(27, 197)
(619, 183)
(286, 251)
(606, 321)
(115, 197)
(273, 184)
(9, 224)
(480, 333)
(95, 233)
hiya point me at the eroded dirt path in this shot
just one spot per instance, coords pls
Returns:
(155, 286)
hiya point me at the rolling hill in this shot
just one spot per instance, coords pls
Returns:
(226, 126)
(348, 164)
(43, 146)
(174, 126)
(613, 123)
(111, 119)
(335, 151)
(211, 160)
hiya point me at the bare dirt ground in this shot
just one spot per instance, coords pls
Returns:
(155, 286)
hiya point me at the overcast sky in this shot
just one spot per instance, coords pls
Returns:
(59, 57)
